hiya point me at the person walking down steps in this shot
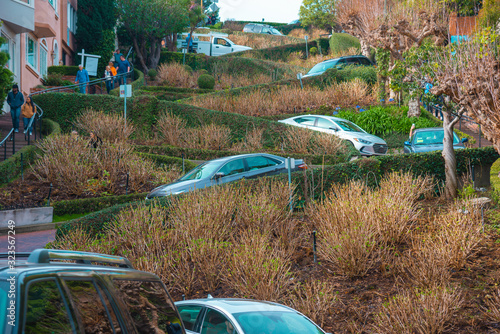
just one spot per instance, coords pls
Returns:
(15, 100)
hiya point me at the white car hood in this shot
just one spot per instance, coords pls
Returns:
(361, 135)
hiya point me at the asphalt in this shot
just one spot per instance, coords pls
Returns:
(27, 242)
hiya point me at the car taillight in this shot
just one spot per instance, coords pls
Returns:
(302, 166)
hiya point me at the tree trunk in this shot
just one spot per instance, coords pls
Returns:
(450, 160)
(365, 48)
(382, 93)
(140, 55)
(413, 108)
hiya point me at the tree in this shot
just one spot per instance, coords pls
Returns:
(318, 13)
(6, 76)
(213, 15)
(95, 33)
(147, 22)
(195, 16)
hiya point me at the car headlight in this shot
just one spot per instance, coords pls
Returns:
(362, 141)
(178, 192)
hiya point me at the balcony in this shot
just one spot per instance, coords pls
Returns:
(18, 15)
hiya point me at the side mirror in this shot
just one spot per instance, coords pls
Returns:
(218, 175)
(407, 143)
(465, 140)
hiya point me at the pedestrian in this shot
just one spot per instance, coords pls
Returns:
(189, 43)
(27, 111)
(94, 141)
(113, 72)
(15, 100)
(109, 79)
(123, 69)
(117, 55)
(82, 78)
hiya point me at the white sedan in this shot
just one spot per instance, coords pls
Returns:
(364, 142)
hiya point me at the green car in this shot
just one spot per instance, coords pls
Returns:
(59, 291)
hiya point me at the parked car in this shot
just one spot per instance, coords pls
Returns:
(224, 170)
(261, 29)
(364, 142)
(243, 316)
(338, 63)
(430, 139)
(87, 293)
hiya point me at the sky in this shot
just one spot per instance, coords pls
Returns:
(283, 11)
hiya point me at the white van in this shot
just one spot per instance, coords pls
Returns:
(210, 44)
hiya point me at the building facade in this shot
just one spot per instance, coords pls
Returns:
(39, 33)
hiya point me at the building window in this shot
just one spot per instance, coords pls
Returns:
(31, 52)
(9, 47)
(43, 60)
(71, 19)
(53, 3)
(55, 50)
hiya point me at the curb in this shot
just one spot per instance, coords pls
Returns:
(31, 228)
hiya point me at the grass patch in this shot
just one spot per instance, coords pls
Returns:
(68, 217)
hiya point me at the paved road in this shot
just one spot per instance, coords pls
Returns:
(27, 242)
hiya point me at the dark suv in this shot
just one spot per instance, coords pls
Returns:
(338, 63)
(58, 291)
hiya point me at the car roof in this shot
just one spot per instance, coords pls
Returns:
(429, 129)
(223, 159)
(343, 57)
(237, 305)
(333, 118)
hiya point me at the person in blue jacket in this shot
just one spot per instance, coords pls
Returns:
(15, 100)
(82, 78)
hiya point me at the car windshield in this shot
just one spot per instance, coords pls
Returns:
(275, 31)
(322, 67)
(202, 171)
(349, 127)
(276, 322)
(431, 138)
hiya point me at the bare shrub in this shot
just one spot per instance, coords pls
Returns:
(233, 25)
(315, 299)
(209, 137)
(346, 52)
(262, 41)
(492, 309)
(209, 259)
(252, 142)
(347, 235)
(325, 143)
(257, 270)
(175, 75)
(426, 312)
(109, 127)
(313, 33)
(171, 128)
(355, 90)
(77, 239)
(297, 140)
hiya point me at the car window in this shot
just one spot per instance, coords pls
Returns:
(353, 61)
(149, 306)
(325, 123)
(46, 311)
(257, 28)
(233, 167)
(265, 30)
(275, 31)
(216, 323)
(276, 322)
(348, 126)
(189, 314)
(365, 61)
(305, 120)
(201, 172)
(89, 307)
(431, 138)
(259, 162)
(221, 41)
(322, 67)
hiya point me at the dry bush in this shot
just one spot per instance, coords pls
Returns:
(346, 52)
(424, 312)
(256, 270)
(261, 41)
(233, 25)
(108, 127)
(175, 75)
(252, 142)
(227, 80)
(325, 143)
(297, 140)
(300, 140)
(171, 128)
(315, 299)
(492, 309)
(209, 137)
(77, 239)
(288, 99)
(209, 259)
(83, 169)
(347, 235)
(312, 34)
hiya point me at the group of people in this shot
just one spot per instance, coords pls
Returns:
(114, 73)
(20, 106)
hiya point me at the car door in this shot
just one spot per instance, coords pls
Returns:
(259, 166)
(221, 47)
(232, 170)
(304, 121)
(192, 316)
(215, 322)
(325, 125)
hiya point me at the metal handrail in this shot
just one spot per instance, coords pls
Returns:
(7, 137)
(89, 83)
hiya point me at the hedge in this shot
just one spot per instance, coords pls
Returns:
(197, 61)
(198, 154)
(341, 41)
(137, 84)
(172, 93)
(64, 70)
(143, 110)
(11, 168)
(370, 170)
(167, 160)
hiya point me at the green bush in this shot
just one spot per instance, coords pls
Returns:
(313, 51)
(203, 71)
(340, 42)
(195, 60)
(11, 168)
(152, 74)
(188, 69)
(366, 73)
(169, 161)
(172, 93)
(55, 80)
(62, 70)
(206, 81)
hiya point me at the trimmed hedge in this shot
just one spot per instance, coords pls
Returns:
(168, 160)
(195, 60)
(64, 70)
(137, 84)
(197, 154)
(341, 41)
(370, 170)
(11, 168)
(172, 93)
